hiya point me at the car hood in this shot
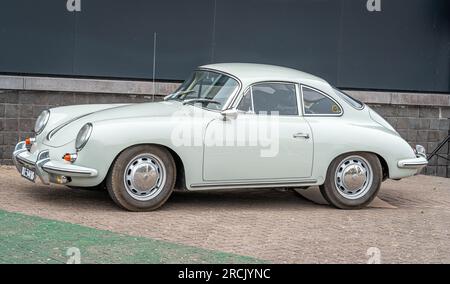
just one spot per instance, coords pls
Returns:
(67, 131)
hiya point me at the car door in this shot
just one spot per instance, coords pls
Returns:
(268, 140)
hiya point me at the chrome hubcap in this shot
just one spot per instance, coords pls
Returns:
(353, 177)
(144, 177)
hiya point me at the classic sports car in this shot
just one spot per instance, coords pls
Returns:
(227, 126)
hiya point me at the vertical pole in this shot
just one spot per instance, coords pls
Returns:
(154, 65)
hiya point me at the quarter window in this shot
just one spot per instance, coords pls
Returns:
(315, 102)
(270, 98)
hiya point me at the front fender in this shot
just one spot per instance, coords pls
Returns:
(110, 138)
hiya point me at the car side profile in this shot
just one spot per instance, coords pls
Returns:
(231, 125)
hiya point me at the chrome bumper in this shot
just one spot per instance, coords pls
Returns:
(418, 162)
(414, 163)
(46, 168)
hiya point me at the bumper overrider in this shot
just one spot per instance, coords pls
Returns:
(415, 163)
(48, 171)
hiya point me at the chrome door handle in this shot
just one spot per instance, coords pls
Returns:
(301, 135)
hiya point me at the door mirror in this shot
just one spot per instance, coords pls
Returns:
(229, 114)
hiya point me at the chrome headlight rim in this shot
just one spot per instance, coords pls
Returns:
(83, 136)
(41, 121)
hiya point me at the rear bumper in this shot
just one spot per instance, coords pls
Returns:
(415, 163)
(45, 168)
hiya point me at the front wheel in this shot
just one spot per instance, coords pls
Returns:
(142, 178)
(353, 180)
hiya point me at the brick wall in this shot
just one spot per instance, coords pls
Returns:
(417, 124)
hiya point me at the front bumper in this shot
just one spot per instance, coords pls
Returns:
(46, 169)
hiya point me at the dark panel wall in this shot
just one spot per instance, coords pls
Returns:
(406, 46)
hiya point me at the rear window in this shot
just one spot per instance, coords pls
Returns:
(351, 101)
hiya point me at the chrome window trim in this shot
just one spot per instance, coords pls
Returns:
(325, 94)
(346, 100)
(241, 96)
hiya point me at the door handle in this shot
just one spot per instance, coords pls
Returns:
(301, 135)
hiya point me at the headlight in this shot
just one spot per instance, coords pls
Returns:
(41, 121)
(83, 136)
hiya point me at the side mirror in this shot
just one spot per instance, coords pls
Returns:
(229, 114)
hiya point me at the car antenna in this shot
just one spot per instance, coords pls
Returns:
(154, 66)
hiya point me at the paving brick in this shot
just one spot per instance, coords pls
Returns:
(276, 226)
(2, 110)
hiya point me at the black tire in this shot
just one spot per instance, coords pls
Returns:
(115, 179)
(331, 192)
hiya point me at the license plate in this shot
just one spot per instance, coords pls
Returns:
(28, 174)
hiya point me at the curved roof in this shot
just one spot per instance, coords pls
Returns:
(263, 72)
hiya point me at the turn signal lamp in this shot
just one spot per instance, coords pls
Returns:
(70, 157)
(29, 141)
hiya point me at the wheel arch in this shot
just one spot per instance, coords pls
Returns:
(384, 164)
(180, 182)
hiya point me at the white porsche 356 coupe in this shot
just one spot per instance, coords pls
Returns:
(227, 126)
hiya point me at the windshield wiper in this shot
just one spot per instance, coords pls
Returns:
(201, 100)
(178, 94)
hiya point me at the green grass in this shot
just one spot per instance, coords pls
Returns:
(29, 239)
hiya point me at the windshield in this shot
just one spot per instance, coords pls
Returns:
(350, 100)
(210, 89)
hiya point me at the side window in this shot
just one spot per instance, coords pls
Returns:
(271, 97)
(246, 102)
(315, 102)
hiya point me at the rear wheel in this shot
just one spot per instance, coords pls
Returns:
(353, 180)
(142, 178)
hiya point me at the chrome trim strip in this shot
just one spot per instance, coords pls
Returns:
(55, 130)
(256, 184)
